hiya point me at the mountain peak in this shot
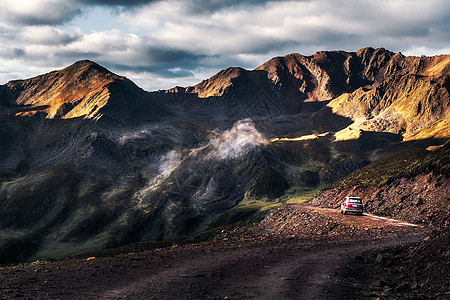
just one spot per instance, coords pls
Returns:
(79, 90)
(84, 62)
(84, 89)
(87, 65)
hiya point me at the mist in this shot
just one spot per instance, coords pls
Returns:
(242, 137)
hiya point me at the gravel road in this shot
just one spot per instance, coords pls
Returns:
(292, 263)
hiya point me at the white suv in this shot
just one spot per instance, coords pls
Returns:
(352, 204)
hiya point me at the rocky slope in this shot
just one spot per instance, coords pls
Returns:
(407, 96)
(412, 186)
(87, 187)
(422, 199)
(417, 271)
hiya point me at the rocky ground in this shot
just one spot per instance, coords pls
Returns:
(312, 220)
(298, 252)
(417, 271)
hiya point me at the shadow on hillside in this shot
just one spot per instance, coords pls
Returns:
(369, 141)
(325, 120)
(402, 146)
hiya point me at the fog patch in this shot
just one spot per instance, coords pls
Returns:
(239, 139)
(168, 163)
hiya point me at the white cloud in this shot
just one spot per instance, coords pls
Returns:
(173, 42)
(34, 12)
(45, 35)
(108, 43)
(257, 29)
(230, 144)
(423, 50)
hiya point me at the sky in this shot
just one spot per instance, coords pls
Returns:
(160, 44)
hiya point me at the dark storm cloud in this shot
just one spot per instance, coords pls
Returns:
(206, 6)
(18, 52)
(169, 56)
(194, 5)
(45, 20)
(169, 63)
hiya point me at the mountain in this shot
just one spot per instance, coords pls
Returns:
(375, 90)
(290, 82)
(88, 160)
(407, 96)
(295, 83)
(84, 89)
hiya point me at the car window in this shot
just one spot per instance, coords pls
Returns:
(353, 200)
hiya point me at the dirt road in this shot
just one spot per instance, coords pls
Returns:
(292, 263)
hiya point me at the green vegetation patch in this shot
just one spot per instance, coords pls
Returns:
(246, 213)
(302, 196)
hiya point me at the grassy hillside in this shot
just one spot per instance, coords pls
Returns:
(404, 164)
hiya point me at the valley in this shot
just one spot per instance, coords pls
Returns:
(203, 188)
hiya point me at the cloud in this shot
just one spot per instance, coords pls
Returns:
(125, 3)
(279, 25)
(193, 6)
(207, 6)
(37, 12)
(162, 43)
(230, 144)
(46, 35)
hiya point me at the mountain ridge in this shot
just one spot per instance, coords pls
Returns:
(362, 78)
(369, 76)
